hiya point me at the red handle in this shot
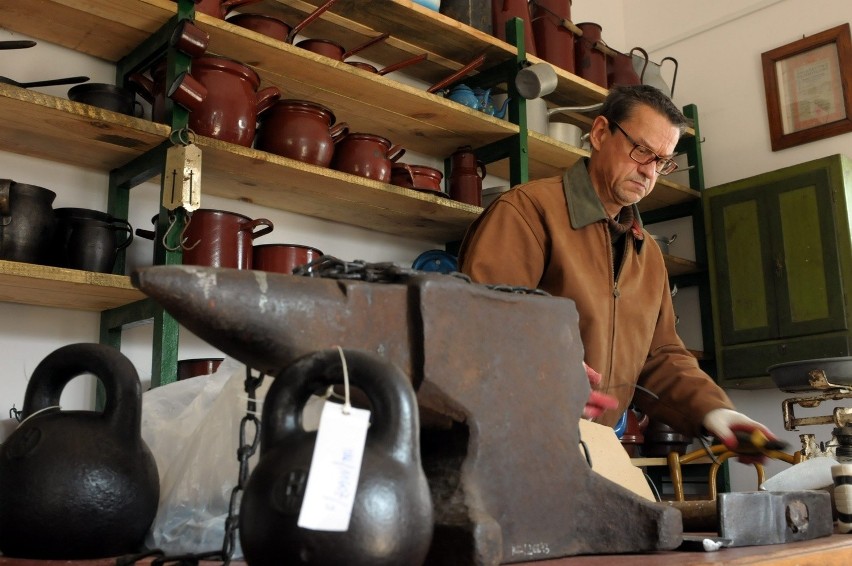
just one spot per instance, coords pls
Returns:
(250, 226)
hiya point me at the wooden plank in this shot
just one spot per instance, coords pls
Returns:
(49, 127)
(41, 285)
(269, 180)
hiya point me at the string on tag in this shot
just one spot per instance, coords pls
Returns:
(346, 404)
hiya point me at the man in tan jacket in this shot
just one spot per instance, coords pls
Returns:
(581, 237)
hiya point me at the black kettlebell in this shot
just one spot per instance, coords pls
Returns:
(78, 484)
(391, 520)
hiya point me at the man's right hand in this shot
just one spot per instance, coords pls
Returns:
(598, 402)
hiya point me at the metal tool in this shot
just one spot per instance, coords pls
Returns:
(499, 408)
(764, 517)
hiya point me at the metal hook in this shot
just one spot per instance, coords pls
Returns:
(183, 238)
(172, 222)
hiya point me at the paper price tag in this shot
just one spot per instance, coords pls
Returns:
(335, 469)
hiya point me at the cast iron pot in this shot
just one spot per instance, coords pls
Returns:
(282, 258)
(88, 239)
(26, 221)
(108, 97)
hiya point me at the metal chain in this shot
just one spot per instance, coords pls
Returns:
(386, 272)
(245, 451)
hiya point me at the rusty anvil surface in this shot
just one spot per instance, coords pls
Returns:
(508, 481)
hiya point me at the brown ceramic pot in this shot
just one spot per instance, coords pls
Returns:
(300, 130)
(620, 71)
(198, 366)
(282, 258)
(466, 174)
(230, 110)
(418, 177)
(220, 8)
(367, 155)
(217, 238)
(590, 62)
(553, 42)
(262, 24)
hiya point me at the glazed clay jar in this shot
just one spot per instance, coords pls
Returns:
(300, 130)
(417, 177)
(220, 8)
(367, 155)
(230, 110)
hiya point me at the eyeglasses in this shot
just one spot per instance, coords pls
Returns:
(643, 156)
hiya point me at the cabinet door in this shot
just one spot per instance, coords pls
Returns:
(777, 266)
(744, 277)
(809, 289)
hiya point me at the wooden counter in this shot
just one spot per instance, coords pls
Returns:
(835, 550)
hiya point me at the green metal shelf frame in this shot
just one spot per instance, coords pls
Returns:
(141, 169)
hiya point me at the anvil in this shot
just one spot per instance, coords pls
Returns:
(508, 480)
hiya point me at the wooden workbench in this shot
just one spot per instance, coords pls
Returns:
(835, 550)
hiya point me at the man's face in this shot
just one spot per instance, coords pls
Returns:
(619, 180)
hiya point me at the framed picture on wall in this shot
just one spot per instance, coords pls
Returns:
(808, 97)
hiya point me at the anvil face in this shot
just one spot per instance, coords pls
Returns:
(508, 481)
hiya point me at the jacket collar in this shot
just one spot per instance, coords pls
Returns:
(584, 205)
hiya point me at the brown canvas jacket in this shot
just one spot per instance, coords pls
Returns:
(627, 326)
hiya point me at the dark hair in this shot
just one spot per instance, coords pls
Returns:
(621, 101)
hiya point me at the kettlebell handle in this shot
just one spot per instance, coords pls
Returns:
(394, 418)
(123, 391)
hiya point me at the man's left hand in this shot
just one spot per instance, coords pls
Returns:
(730, 427)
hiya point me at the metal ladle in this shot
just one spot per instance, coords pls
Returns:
(51, 82)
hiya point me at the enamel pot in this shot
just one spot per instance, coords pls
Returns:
(589, 61)
(418, 177)
(466, 174)
(301, 130)
(218, 238)
(336, 51)
(367, 155)
(26, 221)
(282, 258)
(553, 42)
(230, 110)
(275, 28)
(504, 10)
(220, 8)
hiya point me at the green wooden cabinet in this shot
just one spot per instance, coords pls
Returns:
(781, 268)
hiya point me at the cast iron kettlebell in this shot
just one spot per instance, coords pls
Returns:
(391, 520)
(78, 484)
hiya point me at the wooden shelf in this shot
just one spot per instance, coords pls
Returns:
(32, 284)
(406, 115)
(679, 266)
(86, 136)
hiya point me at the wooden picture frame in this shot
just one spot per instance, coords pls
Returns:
(808, 96)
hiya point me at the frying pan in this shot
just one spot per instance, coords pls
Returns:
(51, 82)
(806, 375)
(17, 44)
(390, 68)
(443, 83)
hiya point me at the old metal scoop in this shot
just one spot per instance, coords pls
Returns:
(51, 82)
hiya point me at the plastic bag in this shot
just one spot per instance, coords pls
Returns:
(192, 428)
